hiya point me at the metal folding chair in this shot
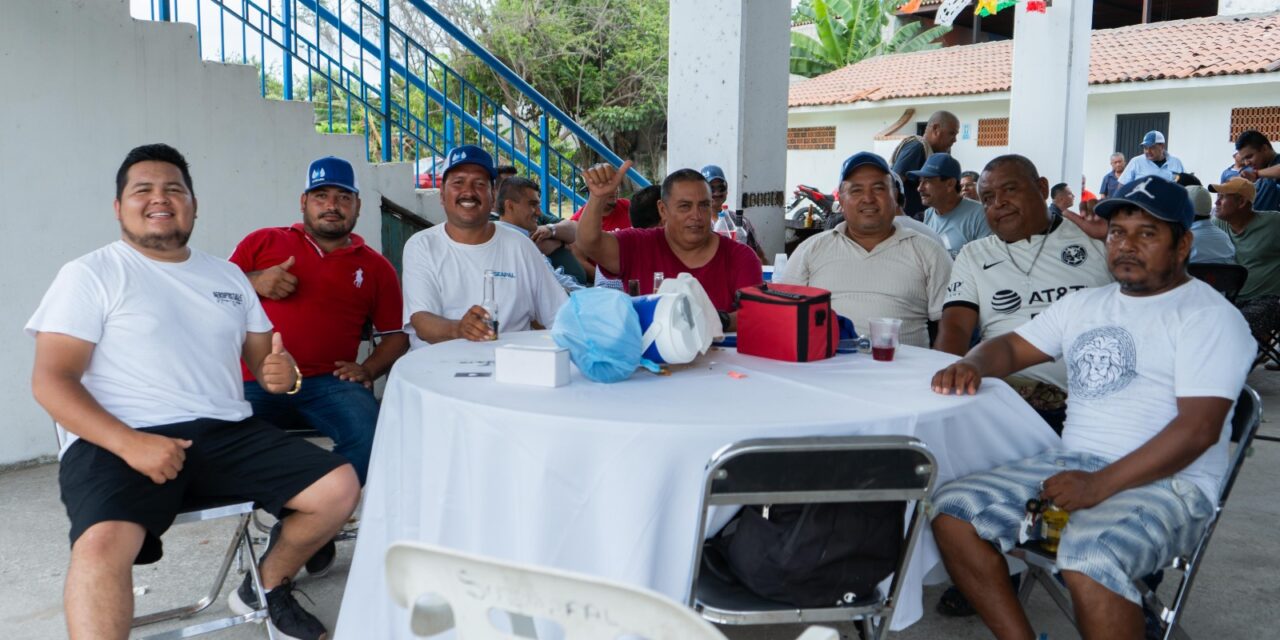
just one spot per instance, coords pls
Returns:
(1040, 564)
(1228, 279)
(241, 542)
(812, 470)
(446, 589)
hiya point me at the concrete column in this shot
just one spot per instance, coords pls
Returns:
(727, 101)
(1050, 88)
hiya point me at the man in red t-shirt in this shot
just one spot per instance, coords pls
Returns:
(320, 285)
(619, 216)
(684, 243)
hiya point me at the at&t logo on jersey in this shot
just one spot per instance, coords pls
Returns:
(1006, 301)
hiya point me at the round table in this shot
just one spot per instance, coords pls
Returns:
(606, 479)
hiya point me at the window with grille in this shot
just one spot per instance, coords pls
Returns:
(1264, 119)
(993, 132)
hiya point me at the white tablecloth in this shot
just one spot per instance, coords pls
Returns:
(606, 479)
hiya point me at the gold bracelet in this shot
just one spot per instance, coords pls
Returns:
(297, 381)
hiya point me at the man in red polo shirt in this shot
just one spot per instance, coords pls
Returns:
(684, 243)
(320, 284)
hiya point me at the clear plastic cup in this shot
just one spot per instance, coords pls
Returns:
(884, 338)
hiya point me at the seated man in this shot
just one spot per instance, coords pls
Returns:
(873, 266)
(444, 266)
(1157, 360)
(719, 193)
(320, 284)
(137, 357)
(519, 207)
(956, 218)
(684, 242)
(1003, 280)
(1209, 245)
(1256, 237)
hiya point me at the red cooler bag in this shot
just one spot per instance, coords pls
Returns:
(787, 322)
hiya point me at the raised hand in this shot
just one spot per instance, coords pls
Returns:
(275, 283)
(603, 180)
(279, 371)
(1089, 222)
(157, 457)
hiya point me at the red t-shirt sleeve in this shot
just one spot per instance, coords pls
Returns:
(388, 305)
(246, 254)
(578, 214)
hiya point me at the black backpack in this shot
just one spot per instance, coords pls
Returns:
(812, 555)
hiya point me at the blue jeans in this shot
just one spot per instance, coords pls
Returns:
(345, 412)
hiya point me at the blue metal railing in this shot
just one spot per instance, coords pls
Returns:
(365, 74)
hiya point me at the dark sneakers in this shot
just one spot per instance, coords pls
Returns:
(322, 561)
(290, 620)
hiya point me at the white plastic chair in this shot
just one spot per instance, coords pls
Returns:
(446, 589)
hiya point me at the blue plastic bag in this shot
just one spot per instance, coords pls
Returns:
(601, 330)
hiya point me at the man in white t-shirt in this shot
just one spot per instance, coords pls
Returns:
(1030, 261)
(138, 351)
(445, 266)
(873, 266)
(1156, 361)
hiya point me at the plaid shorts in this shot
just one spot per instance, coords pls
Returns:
(1132, 534)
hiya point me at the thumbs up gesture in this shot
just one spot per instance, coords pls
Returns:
(603, 180)
(279, 373)
(275, 283)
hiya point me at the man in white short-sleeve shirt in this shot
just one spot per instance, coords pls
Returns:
(872, 266)
(445, 266)
(1030, 261)
(138, 351)
(1155, 363)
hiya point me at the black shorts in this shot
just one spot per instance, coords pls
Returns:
(227, 461)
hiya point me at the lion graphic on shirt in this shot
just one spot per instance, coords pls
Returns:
(1101, 362)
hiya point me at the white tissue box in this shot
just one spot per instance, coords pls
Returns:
(532, 365)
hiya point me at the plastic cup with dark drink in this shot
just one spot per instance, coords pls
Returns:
(884, 338)
(633, 287)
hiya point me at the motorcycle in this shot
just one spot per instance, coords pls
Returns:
(807, 215)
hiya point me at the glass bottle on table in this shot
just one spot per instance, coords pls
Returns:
(658, 277)
(490, 303)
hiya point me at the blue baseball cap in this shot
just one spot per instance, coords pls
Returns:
(713, 172)
(939, 165)
(862, 158)
(1152, 138)
(331, 171)
(469, 154)
(1161, 198)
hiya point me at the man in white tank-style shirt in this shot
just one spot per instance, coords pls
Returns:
(1154, 364)
(138, 351)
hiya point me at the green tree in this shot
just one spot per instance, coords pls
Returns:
(603, 62)
(851, 30)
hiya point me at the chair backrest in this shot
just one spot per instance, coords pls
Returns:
(834, 469)
(1244, 425)
(449, 589)
(1228, 279)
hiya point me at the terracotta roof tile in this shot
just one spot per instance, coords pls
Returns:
(1198, 48)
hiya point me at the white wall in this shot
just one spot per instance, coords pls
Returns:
(1199, 125)
(84, 83)
(856, 128)
(1234, 7)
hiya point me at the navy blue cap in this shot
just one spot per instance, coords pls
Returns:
(939, 165)
(331, 171)
(1159, 197)
(1152, 138)
(713, 172)
(862, 158)
(469, 154)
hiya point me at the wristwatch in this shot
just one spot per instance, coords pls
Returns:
(553, 230)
